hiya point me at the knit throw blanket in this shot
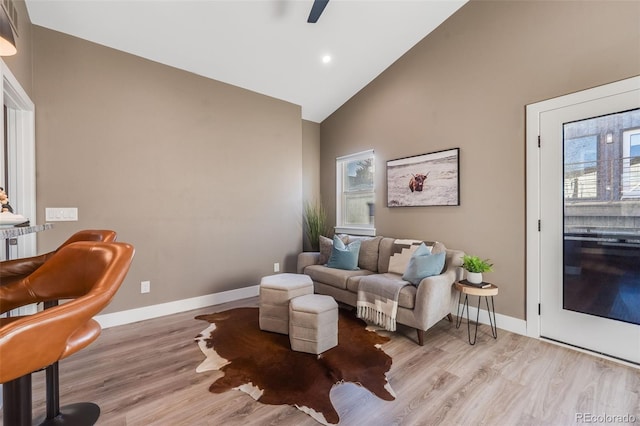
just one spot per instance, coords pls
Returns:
(378, 300)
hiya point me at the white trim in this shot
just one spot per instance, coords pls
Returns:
(532, 217)
(533, 184)
(163, 309)
(21, 113)
(592, 353)
(503, 322)
(363, 155)
(518, 326)
(354, 230)
(361, 229)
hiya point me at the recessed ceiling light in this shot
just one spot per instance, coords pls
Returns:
(326, 59)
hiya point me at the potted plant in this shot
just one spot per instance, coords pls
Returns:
(315, 223)
(475, 267)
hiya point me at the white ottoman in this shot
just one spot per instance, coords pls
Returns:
(313, 323)
(275, 293)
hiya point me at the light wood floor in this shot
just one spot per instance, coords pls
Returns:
(144, 374)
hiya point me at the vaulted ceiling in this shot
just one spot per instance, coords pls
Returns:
(265, 46)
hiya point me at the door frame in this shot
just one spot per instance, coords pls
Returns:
(21, 147)
(533, 190)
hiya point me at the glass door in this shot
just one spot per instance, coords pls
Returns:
(590, 225)
(601, 181)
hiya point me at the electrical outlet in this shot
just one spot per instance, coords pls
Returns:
(145, 286)
(276, 267)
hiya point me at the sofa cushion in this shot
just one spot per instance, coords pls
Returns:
(402, 252)
(333, 277)
(438, 247)
(353, 283)
(368, 257)
(325, 249)
(326, 244)
(384, 253)
(344, 256)
(407, 297)
(390, 248)
(424, 266)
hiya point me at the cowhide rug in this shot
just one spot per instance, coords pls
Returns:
(263, 365)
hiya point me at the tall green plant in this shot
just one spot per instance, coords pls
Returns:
(315, 223)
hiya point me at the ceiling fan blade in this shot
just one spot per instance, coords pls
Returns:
(316, 10)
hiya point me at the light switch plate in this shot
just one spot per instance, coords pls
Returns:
(61, 214)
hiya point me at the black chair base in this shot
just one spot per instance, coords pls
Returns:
(80, 414)
(16, 402)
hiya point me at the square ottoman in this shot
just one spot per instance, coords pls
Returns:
(275, 293)
(313, 323)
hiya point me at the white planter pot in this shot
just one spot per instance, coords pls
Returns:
(474, 277)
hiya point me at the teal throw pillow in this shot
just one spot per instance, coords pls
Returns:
(422, 250)
(337, 242)
(421, 267)
(344, 256)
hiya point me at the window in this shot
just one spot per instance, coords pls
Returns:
(581, 167)
(631, 164)
(355, 194)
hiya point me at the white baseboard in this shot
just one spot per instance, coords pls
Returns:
(162, 309)
(504, 322)
(519, 326)
(114, 319)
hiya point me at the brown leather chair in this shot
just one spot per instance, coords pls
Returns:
(86, 273)
(17, 269)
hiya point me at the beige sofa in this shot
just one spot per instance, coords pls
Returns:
(419, 307)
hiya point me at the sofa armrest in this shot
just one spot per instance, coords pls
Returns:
(307, 258)
(454, 263)
(435, 294)
(433, 299)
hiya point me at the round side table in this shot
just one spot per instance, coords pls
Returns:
(487, 290)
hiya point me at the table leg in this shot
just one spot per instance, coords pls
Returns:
(492, 311)
(465, 306)
(458, 313)
(475, 334)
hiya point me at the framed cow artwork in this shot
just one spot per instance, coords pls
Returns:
(431, 179)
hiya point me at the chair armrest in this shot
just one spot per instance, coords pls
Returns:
(307, 258)
(51, 328)
(16, 269)
(35, 341)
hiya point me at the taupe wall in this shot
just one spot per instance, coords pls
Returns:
(20, 64)
(310, 160)
(466, 85)
(310, 166)
(203, 178)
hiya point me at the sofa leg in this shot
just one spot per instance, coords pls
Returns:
(420, 336)
(449, 317)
